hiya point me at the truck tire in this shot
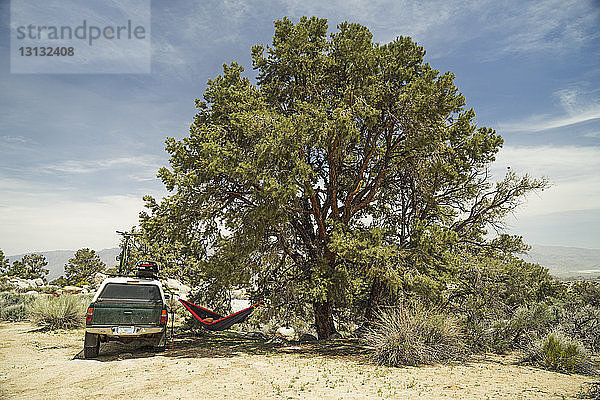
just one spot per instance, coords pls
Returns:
(91, 345)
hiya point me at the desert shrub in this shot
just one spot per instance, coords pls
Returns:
(525, 325)
(13, 306)
(413, 335)
(62, 312)
(583, 323)
(14, 313)
(495, 300)
(558, 352)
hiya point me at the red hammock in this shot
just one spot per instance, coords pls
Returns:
(219, 322)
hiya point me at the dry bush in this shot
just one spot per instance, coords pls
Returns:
(413, 336)
(13, 306)
(62, 312)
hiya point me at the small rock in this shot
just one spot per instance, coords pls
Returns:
(307, 337)
(32, 293)
(334, 336)
(19, 283)
(38, 282)
(286, 333)
(239, 294)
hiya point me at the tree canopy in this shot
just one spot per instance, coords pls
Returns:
(348, 169)
(82, 268)
(31, 266)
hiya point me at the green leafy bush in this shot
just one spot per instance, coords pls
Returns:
(496, 301)
(13, 306)
(62, 312)
(526, 324)
(413, 336)
(558, 352)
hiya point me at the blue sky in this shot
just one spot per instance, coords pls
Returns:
(78, 151)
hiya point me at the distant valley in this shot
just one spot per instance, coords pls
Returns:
(567, 262)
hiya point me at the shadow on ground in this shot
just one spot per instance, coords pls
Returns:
(227, 344)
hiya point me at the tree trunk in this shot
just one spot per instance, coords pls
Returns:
(379, 293)
(324, 319)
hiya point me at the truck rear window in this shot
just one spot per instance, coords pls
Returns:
(132, 292)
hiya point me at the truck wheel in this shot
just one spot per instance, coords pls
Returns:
(91, 345)
(162, 342)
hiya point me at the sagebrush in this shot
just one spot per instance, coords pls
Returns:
(413, 335)
(13, 306)
(60, 312)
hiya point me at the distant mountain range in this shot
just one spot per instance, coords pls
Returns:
(58, 258)
(562, 262)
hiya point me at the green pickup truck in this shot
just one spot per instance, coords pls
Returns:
(126, 309)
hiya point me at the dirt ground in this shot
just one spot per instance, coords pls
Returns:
(47, 365)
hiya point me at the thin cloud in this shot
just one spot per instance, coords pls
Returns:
(571, 170)
(577, 107)
(540, 123)
(90, 166)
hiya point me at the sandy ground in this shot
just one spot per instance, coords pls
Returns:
(46, 365)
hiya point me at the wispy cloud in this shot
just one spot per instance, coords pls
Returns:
(577, 107)
(89, 166)
(539, 123)
(549, 25)
(15, 139)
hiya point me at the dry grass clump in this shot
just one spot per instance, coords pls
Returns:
(413, 336)
(62, 312)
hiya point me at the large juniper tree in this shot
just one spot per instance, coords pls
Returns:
(347, 158)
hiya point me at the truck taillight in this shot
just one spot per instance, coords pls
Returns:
(163, 317)
(90, 313)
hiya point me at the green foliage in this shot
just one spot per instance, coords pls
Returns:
(345, 152)
(4, 263)
(60, 282)
(488, 291)
(61, 312)
(558, 352)
(31, 266)
(82, 268)
(413, 336)
(527, 323)
(13, 306)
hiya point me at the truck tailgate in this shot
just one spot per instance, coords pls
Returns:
(126, 313)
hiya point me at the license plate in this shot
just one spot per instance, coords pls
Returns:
(125, 330)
